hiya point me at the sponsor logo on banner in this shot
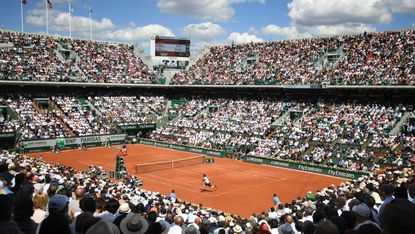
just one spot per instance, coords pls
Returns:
(196, 150)
(342, 174)
(72, 141)
(252, 159)
(280, 164)
(310, 169)
(214, 153)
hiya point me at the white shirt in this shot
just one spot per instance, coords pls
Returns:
(274, 231)
(206, 180)
(39, 215)
(175, 230)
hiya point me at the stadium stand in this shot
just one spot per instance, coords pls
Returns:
(129, 109)
(36, 123)
(245, 127)
(31, 57)
(377, 138)
(365, 59)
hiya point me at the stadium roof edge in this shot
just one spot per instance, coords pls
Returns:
(115, 85)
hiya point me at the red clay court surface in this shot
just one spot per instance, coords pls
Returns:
(243, 188)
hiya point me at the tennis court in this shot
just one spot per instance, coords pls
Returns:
(243, 188)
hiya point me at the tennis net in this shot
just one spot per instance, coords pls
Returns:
(164, 165)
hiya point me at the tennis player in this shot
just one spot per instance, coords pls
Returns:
(207, 184)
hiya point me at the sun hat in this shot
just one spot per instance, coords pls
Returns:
(237, 229)
(164, 227)
(133, 224)
(124, 208)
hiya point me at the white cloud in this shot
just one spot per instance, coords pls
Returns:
(328, 17)
(206, 31)
(59, 22)
(290, 32)
(239, 38)
(215, 10)
(404, 6)
(339, 29)
(329, 12)
(102, 29)
(139, 33)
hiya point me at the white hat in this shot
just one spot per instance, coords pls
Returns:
(377, 198)
(237, 229)
(124, 208)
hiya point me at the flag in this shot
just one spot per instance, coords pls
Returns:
(24, 2)
(49, 4)
(90, 10)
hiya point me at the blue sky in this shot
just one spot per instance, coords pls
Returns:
(211, 21)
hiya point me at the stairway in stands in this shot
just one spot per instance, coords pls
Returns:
(54, 106)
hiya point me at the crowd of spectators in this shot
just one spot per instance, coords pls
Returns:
(408, 136)
(129, 109)
(384, 58)
(33, 124)
(280, 149)
(7, 124)
(37, 197)
(106, 62)
(221, 123)
(282, 62)
(33, 57)
(81, 121)
(354, 123)
(244, 127)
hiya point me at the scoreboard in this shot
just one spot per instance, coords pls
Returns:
(171, 47)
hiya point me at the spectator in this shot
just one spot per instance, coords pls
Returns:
(172, 194)
(387, 192)
(177, 227)
(398, 217)
(276, 200)
(23, 210)
(74, 203)
(57, 221)
(363, 216)
(40, 200)
(123, 211)
(111, 208)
